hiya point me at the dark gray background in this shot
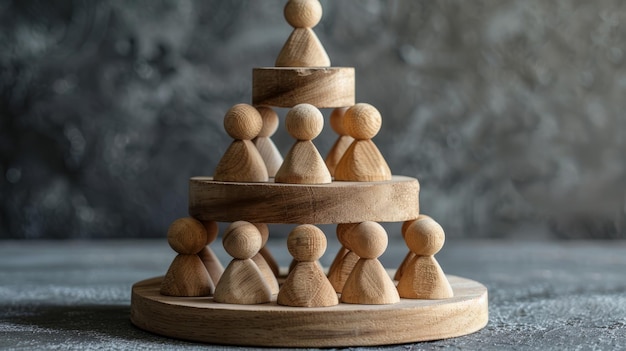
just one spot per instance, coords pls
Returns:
(510, 113)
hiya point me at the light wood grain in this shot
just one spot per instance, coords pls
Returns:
(303, 13)
(368, 282)
(341, 144)
(187, 276)
(423, 278)
(208, 257)
(306, 285)
(242, 282)
(302, 49)
(362, 161)
(343, 325)
(241, 163)
(323, 87)
(263, 142)
(338, 202)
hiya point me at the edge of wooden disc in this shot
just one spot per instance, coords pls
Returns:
(323, 87)
(201, 319)
(394, 200)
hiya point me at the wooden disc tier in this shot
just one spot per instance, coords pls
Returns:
(201, 319)
(394, 200)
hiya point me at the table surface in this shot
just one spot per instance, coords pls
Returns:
(542, 295)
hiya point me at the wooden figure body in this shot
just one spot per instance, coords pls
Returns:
(346, 259)
(409, 256)
(265, 252)
(343, 141)
(260, 261)
(187, 275)
(303, 164)
(307, 285)
(242, 282)
(423, 278)
(369, 282)
(362, 161)
(242, 162)
(303, 48)
(267, 149)
(208, 257)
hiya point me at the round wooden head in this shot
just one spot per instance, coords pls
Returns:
(406, 224)
(336, 120)
(306, 243)
(425, 237)
(368, 240)
(187, 236)
(265, 232)
(344, 230)
(270, 121)
(304, 122)
(303, 13)
(242, 240)
(211, 231)
(362, 121)
(243, 122)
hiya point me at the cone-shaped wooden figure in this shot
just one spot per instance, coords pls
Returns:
(306, 285)
(423, 278)
(303, 48)
(409, 256)
(303, 164)
(343, 141)
(265, 252)
(260, 261)
(242, 282)
(187, 276)
(362, 161)
(208, 257)
(369, 282)
(270, 154)
(341, 267)
(241, 161)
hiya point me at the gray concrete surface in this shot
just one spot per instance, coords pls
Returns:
(542, 295)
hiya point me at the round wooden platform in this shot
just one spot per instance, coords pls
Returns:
(201, 319)
(323, 87)
(395, 200)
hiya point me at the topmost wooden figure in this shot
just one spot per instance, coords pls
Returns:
(303, 48)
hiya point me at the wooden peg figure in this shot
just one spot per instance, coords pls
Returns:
(242, 162)
(242, 282)
(346, 259)
(303, 48)
(208, 257)
(423, 278)
(269, 153)
(187, 275)
(265, 252)
(260, 261)
(303, 163)
(369, 282)
(306, 285)
(343, 141)
(409, 256)
(362, 161)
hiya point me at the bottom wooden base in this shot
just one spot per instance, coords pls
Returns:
(201, 319)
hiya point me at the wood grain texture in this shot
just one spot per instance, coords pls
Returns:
(303, 164)
(362, 162)
(303, 13)
(307, 285)
(241, 163)
(263, 142)
(338, 202)
(187, 276)
(302, 49)
(343, 325)
(323, 87)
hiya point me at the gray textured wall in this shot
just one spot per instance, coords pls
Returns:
(510, 113)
